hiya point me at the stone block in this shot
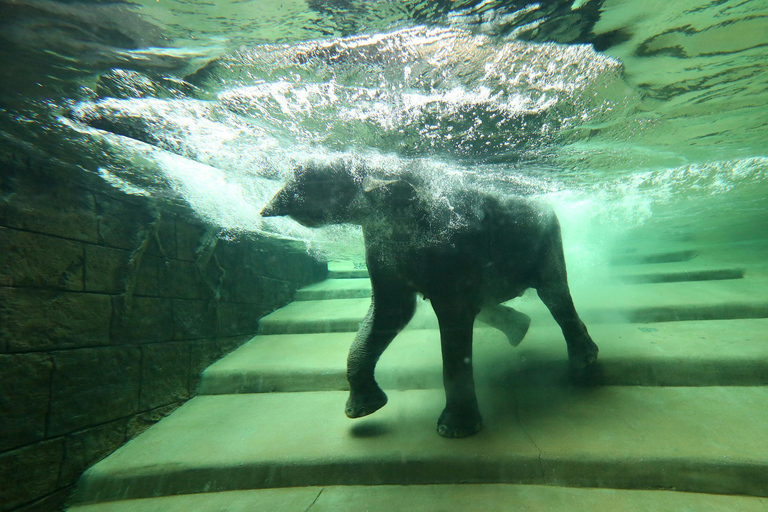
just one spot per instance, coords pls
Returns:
(164, 245)
(282, 264)
(233, 254)
(249, 260)
(91, 386)
(56, 501)
(25, 383)
(203, 353)
(237, 319)
(194, 319)
(148, 276)
(230, 282)
(241, 285)
(64, 211)
(215, 278)
(307, 269)
(141, 320)
(164, 374)
(3, 206)
(105, 269)
(277, 292)
(188, 236)
(29, 473)
(228, 344)
(266, 291)
(142, 421)
(121, 224)
(33, 259)
(181, 279)
(316, 271)
(85, 448)
(258, 260)
(289, 266)
(35, 320)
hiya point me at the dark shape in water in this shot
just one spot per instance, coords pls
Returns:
(467, 253)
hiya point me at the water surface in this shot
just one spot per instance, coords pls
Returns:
(643, 123)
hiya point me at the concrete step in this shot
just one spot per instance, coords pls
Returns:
(447, 498)
(342, 288)
(643, 258)
(353, 270)
(353, 288)
(752, 254)
(653, 302)
(710, 263)
(708, 440)
(703, 260)
(346, 270)
(709, 353)
(339, 315)
(349, 270)
(694, 274)
(674, 258)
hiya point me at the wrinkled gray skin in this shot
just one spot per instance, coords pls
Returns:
(502, 247)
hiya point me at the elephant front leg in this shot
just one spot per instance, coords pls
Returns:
(389, 312)
(461, 416)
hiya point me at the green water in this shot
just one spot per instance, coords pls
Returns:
(643, 123)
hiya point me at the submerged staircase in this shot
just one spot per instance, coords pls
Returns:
(676, 418)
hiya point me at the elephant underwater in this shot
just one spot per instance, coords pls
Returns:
(467, 254)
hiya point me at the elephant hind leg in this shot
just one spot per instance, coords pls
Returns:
(582, 351)
(511, 322)
(554, 292)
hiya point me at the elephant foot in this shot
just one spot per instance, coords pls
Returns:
(516, 331)
(455, 424)
(362, 404)
(583, 354)
(588, 377)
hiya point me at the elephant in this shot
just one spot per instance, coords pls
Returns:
(466, 253)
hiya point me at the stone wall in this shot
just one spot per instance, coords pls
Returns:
(110, 308)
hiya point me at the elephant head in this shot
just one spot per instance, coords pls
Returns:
(333, 194)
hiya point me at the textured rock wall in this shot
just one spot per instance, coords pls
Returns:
(110, 308)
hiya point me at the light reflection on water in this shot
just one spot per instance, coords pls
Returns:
(219, 102)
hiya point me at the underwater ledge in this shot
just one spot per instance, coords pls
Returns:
(687, 439)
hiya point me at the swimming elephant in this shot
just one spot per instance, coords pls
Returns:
(466, 252)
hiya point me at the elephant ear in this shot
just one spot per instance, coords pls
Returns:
(388, 193)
